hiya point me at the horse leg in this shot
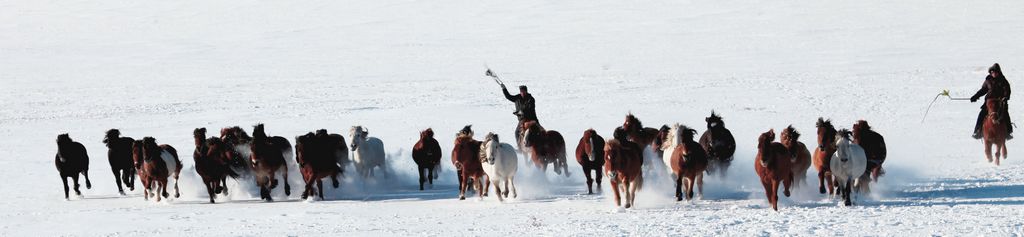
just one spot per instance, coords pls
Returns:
(486, 186)
(599, 174)
(511, 180)
(565, 166)
(308, 191)
(787, 182)
(775, 194)
(129, 179)
(700, 185)
(209, 188)
(629, 196)
(615, 189)
(177, 192)
(284, 176)
(679, 188)
(830, 183)
(422, 179)
(480, 186)
(224, 185)
(507, 181)
(988, 150)
(847, 192)
(590, 181)
(320, 188)
(163, 188)
(689, 187)
(821, 182)
(66, 188)
(462, 186)
(117, 179)
(497, 190)
(75, 178)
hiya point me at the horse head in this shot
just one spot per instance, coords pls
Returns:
(994, 107)
(859, 128)
(429, 133)
(842, 144)
(111, 135)
(661, 138)
(199, 135)
(137, 154)
(150, 149)
(489, 148)
(632, 124)
(358, 134)
(592, 141)
(466, 131)
(531, 130)
(826, 134)
(714, 121)
(763, 143)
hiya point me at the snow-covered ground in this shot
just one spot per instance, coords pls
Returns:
(163, 68)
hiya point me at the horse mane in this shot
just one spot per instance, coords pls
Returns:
(466, 131)
(686, 133)
(490, 137)
(845, 133)
(822, 123)
(150, 149)
(63, 138)
(111, 134)
(619, 134)
(714, 118)
(765, 139)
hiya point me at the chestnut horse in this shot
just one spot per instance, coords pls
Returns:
(823, 154)
(545, 147)
(774, 166)
(637, 133)
(466, 158)
(119, 154)
(211, 162)
(427, 155)
(623, 163)
(720, 145)
(688, 161)
(317, 157)
(994, 130)
(158, 163)
(239, 144)
(590, 155)
(801, 156)
(267, 158)
(874, 146)
(71, 159)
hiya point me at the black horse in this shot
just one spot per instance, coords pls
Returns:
(71, 159)
(119, 153)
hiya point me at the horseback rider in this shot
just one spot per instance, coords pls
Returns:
(525, 107)
(995, 87)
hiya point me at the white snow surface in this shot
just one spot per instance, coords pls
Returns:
(399, 66)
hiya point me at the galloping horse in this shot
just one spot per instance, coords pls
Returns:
(590, 155)
(801, 156)
(119, 154)
(466, 158)
(368, 152)
(317, 157)
(268, 157)
(823, 154)
(71, 160)
(687, 161)
(212, 163)
(240, 148)
(720, 145)
(994, 130)
(874, 146)
(623, 163)
(848, 166)
(500, 163)
(773, 165)
(159, 163)
(545, 147)
(642, 136)
(427, 155)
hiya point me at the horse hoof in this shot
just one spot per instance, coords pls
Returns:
(122, 193)
(821, 190)
(177, 195)
(786, 193)
(462, 197)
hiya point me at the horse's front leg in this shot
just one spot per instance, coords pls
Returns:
(320, 188)
(209, 189)
(117, 179)
(66, 188)
(422, 178)
(590, 181)
(988, 150)
(511, 181)
(497, 190)
(629, 196)
(679, 187)
(77, 191)
(284, 176)
(615, 190)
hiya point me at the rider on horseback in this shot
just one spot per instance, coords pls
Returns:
(995, 87)
(525, 108)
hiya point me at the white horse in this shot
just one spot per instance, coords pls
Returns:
(368, 152)
(500, 164)
(848, 165)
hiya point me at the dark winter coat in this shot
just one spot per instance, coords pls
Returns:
(525, 107)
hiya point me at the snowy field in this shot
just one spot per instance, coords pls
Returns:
(163, 68)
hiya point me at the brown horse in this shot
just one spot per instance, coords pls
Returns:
(159, 163)
(774, 166)
(590, 155)
(688, 161)
(874, 146)
(994, 130)
(801, 157)
(720, 145)
(238, 142)
(823, 154)
(71, 159)
(466, 158)
(659, 141)
(545, 147)
(623, 163)
(268, 157)
(211, 162)
(637, 133)
(119, 154)
(427, 155)
(317, 157)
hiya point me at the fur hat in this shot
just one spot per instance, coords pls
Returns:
(995, 68)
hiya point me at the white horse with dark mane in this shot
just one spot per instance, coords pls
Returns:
(368, 152)
(500, 164)
(848, 165)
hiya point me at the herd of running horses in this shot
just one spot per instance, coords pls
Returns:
(847, 160)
